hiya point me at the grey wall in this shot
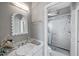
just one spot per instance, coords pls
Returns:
(6, 10)
(37, 29)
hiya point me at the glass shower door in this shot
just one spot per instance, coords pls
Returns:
(59, 33)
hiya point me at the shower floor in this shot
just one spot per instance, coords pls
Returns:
(57, 52)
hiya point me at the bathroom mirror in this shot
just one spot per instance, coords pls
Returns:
(19, 24)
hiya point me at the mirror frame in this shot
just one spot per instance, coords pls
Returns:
(12, 18)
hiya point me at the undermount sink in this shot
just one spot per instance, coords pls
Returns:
(35, 42)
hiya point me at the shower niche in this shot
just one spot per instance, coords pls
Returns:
(59, 29)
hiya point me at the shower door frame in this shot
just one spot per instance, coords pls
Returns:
(72, 44)
(76, 19)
